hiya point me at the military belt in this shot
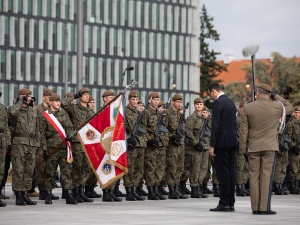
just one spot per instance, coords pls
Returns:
(24, 135)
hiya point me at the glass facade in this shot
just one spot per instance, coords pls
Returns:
(158, 37)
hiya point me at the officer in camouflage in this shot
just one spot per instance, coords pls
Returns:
(25, 140)
(5, 140)
(50, 138)
(175, 153)
(79, 113)
(136, 149)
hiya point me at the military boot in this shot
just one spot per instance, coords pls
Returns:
(158, 193)
(172, 193)
(63, 194)
(297, 184)
(115, 198)
(106, 196)
(205, 189)
(151, 194)
(136, 194)
(129, 195)
(184, 189)
(26, 199)
(240, 191)
(195, 193)
(181, 195)
(70, 198)
(89, 192)
(43, 192)
(162, 190)
(245, 190)
(293, 189)
(95, 194)
(83, 196)
(19, 198)
(2, 204)
(77, 195)
(141, 190)
(278, 189)
(201, 193)
(48, 200)
(117, 191)
(216, 190)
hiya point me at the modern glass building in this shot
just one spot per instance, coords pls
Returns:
(159, 38)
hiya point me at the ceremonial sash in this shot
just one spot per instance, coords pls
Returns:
(60, 130)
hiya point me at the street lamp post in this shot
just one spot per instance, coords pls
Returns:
(79, 43)
(66, 59)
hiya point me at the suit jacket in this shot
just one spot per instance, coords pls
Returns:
(223, 132)
(259, 124)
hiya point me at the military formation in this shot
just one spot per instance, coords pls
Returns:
(166, 150)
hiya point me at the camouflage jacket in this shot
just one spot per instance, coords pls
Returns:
(131, 115)
(25, 125)
(5, 138)
(77, 113)
(40, 109)
(293, 130)
(172, 122)
(49, 136)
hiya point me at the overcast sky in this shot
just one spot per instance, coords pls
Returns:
(272, 24)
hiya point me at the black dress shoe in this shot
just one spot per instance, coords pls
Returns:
(269, 212)
(232, 208)
(221, 208)
(255, 212)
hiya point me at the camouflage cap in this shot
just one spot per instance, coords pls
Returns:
(242, 103)
(24, 91)
(84, 90)
(153, 95)
(68, 94)
(161, 103)
(108, 93)
(198, 100)
(297, 108)
(265, 87)
(177, 97)
(47, 92)
(54, 97)
(133, 94)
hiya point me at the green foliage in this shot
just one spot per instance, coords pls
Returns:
(209, 68)
(238, 91)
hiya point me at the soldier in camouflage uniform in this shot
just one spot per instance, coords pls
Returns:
(155, 153)
(50, 138)
(25, 140)
(195, 153)
(79, 113)
(294, 150)
(91, 183)
(5, 140)
(175, 152)
(136, 149)
(241, 164)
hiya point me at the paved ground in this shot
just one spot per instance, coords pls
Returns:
(190, 211)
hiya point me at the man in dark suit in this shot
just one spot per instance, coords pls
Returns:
(223, 144)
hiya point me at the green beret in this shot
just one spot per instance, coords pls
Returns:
(68, 94)
(47, 92)
(133, 94)
(91, 99)
(108, 93)
(177, 97)
(54, 97)
(153, 95)
(161, 103)
(84, 90)
(297, 108)
(24, 91)
(140, 102)
(265, 87)
(198, 100)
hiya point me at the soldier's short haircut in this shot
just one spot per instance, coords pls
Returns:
(215, 86)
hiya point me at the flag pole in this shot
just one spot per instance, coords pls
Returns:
(132, 82)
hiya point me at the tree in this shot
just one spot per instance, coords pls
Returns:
(209, 68)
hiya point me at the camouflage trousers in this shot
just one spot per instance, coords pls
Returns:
(40, 171)
(203, 166)
(155, 165)
(92, 180)
(211, 172)
(58, 158)
(175, 164)
(192, 161)
(81, 169)
(241, 169)
(2, 161)
(280, 167)
(23, 162)
(135, 161)
(294, 162)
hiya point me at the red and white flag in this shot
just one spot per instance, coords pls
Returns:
(103, 139)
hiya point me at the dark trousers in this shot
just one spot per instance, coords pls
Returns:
(225, 170)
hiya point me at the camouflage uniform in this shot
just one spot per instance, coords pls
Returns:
(25, 140)
(78, 115)
(49, 140)
(135, 156)
(5, 138)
